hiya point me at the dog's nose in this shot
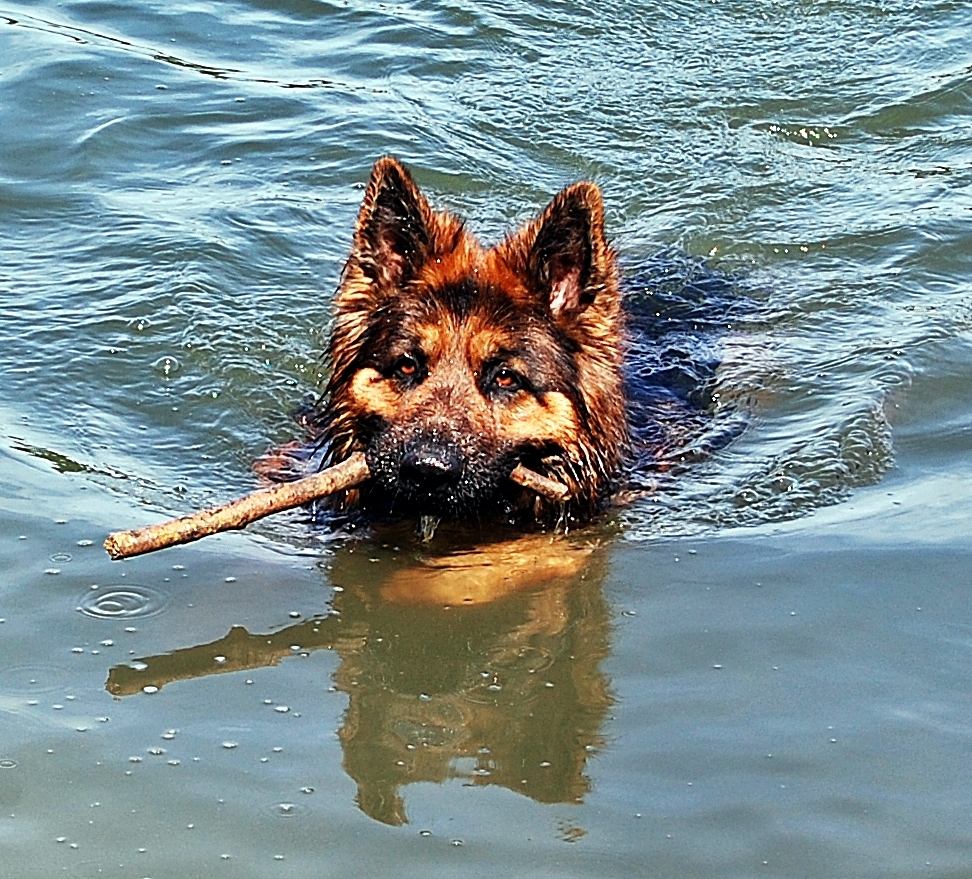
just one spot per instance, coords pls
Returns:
(431, 466)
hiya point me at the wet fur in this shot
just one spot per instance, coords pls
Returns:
(452, 362)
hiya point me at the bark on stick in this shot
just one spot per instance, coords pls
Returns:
(542, 485)
(239, 513)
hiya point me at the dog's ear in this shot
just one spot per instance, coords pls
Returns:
(393, 233)
(567, 260)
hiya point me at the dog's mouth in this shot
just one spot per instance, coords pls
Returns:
(432, 476)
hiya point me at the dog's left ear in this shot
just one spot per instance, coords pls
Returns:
(568, 261)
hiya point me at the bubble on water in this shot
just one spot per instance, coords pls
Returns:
(7, 763)
(85, 543)
(307, 790)
(282, 709)
(286, 810)
(121, 602)
(230, 745)
(425, 833)
(156, 752)
(61, 557)
(150, 690)
(166, 365)
(53, 572)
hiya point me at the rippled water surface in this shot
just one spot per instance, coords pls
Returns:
(761, 667)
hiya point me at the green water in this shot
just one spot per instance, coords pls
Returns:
(762, 669)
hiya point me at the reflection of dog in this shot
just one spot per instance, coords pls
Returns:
(451, 363)
(506, 692)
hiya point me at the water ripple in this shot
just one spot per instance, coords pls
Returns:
(122, 602)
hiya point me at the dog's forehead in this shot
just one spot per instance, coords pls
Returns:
(472, 335)
(468, 266)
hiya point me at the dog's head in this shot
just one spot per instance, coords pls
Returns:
(451, 362)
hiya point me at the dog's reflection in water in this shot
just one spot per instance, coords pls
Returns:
(478, 664)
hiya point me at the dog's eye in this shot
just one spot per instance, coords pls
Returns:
(406, 367)
(507, 380)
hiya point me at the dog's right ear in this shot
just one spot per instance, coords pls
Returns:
(393, 234)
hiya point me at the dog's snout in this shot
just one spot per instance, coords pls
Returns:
(431, 466)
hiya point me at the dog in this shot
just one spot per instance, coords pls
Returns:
(452, 362)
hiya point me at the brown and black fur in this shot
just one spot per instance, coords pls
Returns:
(452, 362)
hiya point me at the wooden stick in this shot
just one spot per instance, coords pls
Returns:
(542, 485)
(239, 513)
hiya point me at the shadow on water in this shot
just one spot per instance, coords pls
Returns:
(478, 665)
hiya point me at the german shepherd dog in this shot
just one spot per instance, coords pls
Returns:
(452, 362)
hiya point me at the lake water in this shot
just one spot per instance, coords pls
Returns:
(764, 668)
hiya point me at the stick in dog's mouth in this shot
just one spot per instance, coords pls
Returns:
(240, 513)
